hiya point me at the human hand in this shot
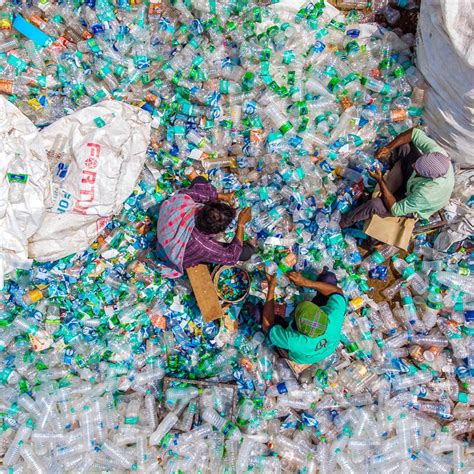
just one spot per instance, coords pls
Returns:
(245, 216)
(227, 197)
(376, 174)
(297, 278)
(271, 280)
(384, 152)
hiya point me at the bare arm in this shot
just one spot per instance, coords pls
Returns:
(402, 139)
(268, 316)
(227, 197)
(387, 197)
(244, 217)
(239, 233)
(325, 289)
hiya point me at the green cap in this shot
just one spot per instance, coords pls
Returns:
(286, 127)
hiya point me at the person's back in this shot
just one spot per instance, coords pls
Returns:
(315, 331)
(186, 226)
(304, 349)
(430, 195)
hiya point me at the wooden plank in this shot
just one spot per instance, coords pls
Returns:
(205, 293)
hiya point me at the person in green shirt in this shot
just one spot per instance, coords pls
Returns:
(315, 331)
(419, 183)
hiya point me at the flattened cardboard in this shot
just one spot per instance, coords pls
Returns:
(205, 293)
(396, 231)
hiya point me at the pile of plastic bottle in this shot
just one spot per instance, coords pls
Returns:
(286, 108)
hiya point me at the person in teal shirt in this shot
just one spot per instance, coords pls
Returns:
(315, 331)
(420, 182)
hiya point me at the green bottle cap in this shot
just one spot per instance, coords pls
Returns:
(286, 127)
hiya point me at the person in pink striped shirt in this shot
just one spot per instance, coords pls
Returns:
(212, 215)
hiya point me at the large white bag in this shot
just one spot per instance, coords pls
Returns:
(24, 186)
(445, 57)
(105, 151)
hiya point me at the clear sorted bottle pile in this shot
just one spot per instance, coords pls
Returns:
(286, 108)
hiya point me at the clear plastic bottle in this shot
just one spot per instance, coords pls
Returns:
(456, 281)
(33, 461)
(117, 454)
(391, 291)
(378, 257)
(287, 386)
(408, 273)
(17, 178)
(166, 425)
(188, 416)
(411, 314)
(387, 318)
(405, 381)
(21, 436)
(245, 412)
(227, 428)
(429, 340)
(291, 452)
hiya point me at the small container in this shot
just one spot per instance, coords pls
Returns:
(351, 4)
(225, 273)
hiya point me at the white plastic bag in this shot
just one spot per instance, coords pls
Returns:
(104, 154)
(445, 57)
(458, 213)
(24, 186)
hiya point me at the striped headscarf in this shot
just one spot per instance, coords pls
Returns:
(174, 228)
(432, 165)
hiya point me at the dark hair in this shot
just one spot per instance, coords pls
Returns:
(214, 217)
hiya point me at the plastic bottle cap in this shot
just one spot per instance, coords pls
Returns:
(463, 397)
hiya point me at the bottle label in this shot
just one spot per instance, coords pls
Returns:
(17, 63)
(131, 420)
(17, 178)
(377, 257)
(385, 89)
(5, 375)
(407, 300)
(99, 95)
(40, 340)
(288, 57)
(104, 72)
(41, 81)
(318, 47)
(92, 43)
(434, 304)
(286, 127)
(228, 428)
(357, 303)
(273, 213)
(408, 272)
(224, 86)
